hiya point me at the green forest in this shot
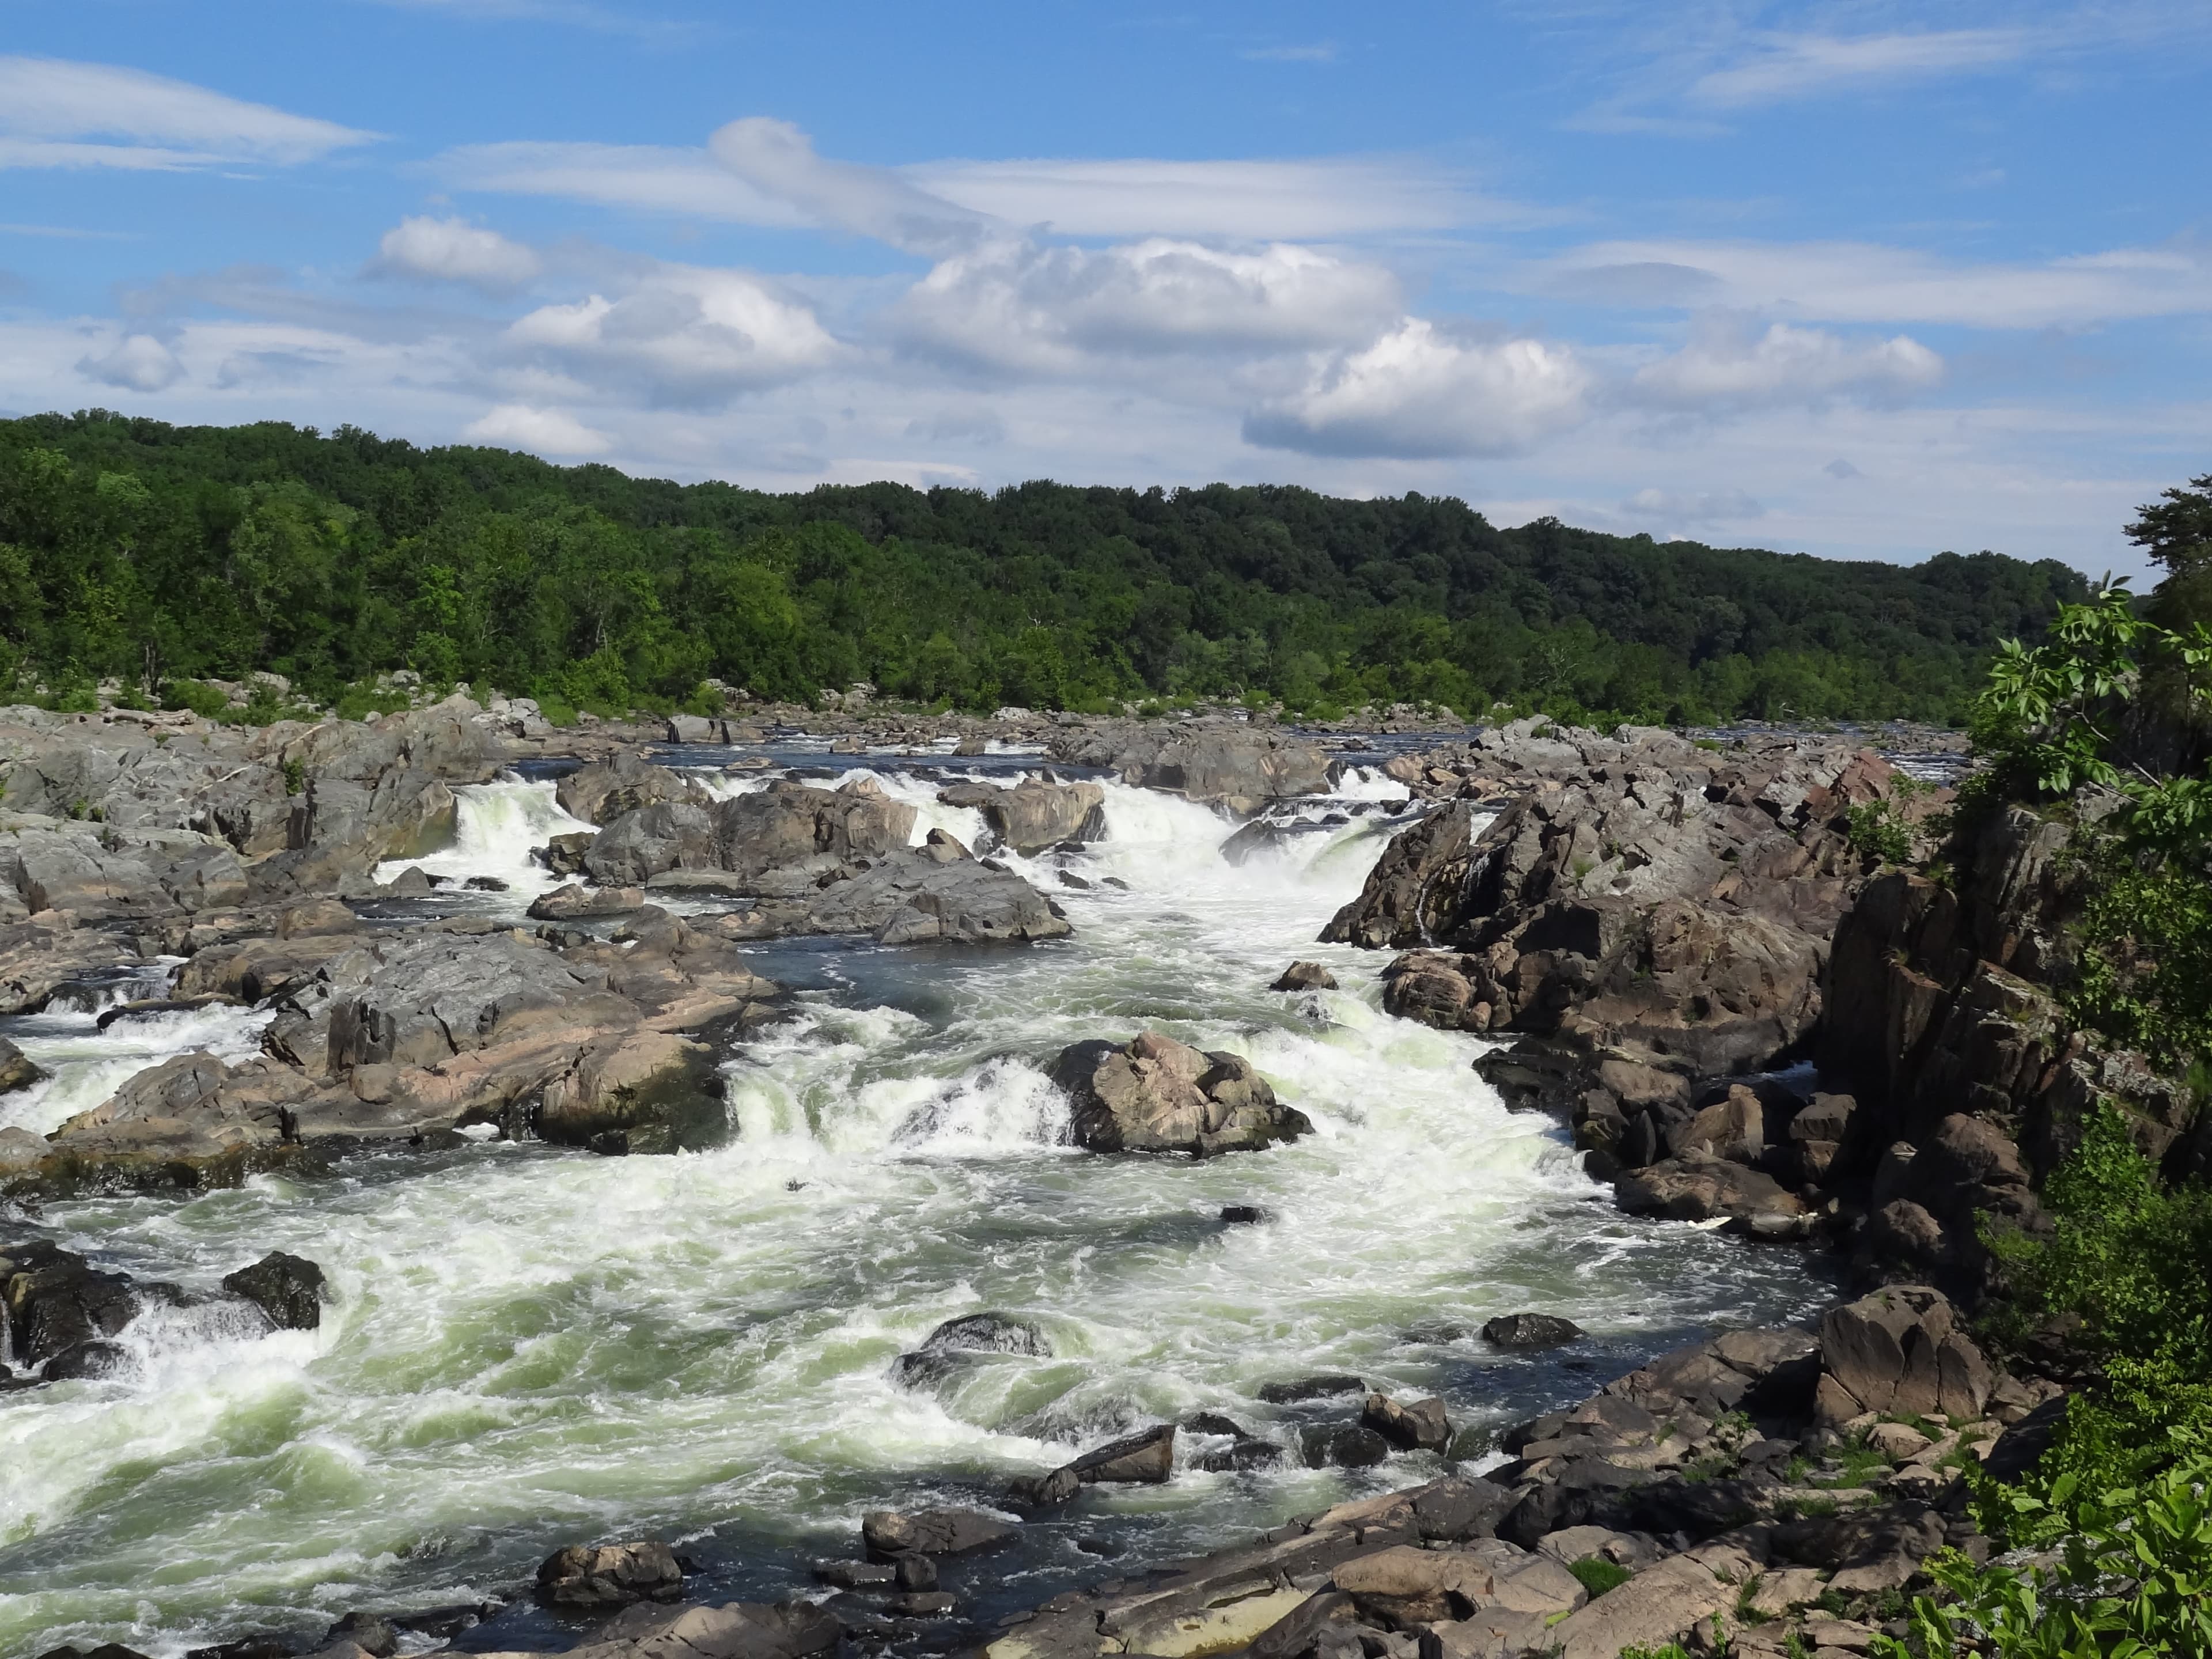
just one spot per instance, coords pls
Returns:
(159, 555)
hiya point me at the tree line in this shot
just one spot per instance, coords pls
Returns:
(157, 555)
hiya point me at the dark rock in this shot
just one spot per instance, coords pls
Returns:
(611, 1575)
(856, 1575)
(1243, 1215)
(1468, 1507)
(1311, 1387)
(483, 884)
(1304, 976)
(927, 1604)
(989, 1333)
(86, 1360)
(1145, 1458)
(916, 1572)
(288, 1288)
(1342, 1445)
(932, 1532)
(1526, 1331)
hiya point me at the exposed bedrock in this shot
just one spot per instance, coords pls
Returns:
(1033, 816)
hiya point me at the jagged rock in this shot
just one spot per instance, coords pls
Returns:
(606, 789)
(1897, 1352)
(1145, 1458)
(931, 1532)
(288, 1288)
(611, 1575)
(1311, 1387)
(910, 897)
(1526, 1331)
(1304, 976)
(16, 1071)
(1342, 1445)
(1699, 1189)
(1155, 1094)
(1415, 1426)
(54, 1300)
(776, 841)
(1032, 815)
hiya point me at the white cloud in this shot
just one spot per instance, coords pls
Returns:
(684, 334)
(1417, 391)
(1017, 305)
(1727, 363)
(1791, 66)
(1245, 200)
(50, 107)
(139, 362)
(1671, 509)
(455, 251)
(659, 177)
(778, 159)
(542, 431)
(1867, 282)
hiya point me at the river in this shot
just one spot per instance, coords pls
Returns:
(529, 1347)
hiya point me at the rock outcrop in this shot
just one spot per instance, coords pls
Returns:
(1154, 1094)
(1238, 768)
(1033, 816)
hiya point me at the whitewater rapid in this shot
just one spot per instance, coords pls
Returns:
(528, 1348)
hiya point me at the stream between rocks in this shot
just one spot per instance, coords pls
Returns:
(527, 1347)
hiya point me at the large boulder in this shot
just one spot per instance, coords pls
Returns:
(1033, 816)
(16, 1071)
(602, 791)
(1900, 1352)
(778, 840)
(289, 1289)
(1234, 767)
(931, 1532)
(94, 870)
(1154, 1094)
(1146, 1458)
(52, 1301)
(911, 897)
(611, 1575)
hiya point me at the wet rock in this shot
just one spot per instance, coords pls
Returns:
(371, 1633)
(1155, 1094)
(856, 1575)
(611, 1575)
(1699, 1189)
(736, 1630)
(1414, 1426)
(911, 898)
(289, 1289)
(926, 1604)
(86, 1360)
(1145, 1459)
(1243, 1215)
(774, 842)
(931, 1532)
(485, 884)
(1304, 976)
(915, 1572)
(1530, 1331)
(1033, 816)
(1322, 1386)
(54, 1300)
(1226, 765)
(941, 1352)
(1342, 1445)
(16, 1071)
(569, 902)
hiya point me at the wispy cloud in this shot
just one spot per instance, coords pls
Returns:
(1794, 66)
(68, 233)
(56, 113)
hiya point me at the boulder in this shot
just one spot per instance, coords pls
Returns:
(931, 1532)
(1529, 1331)
(1155, 1094)
(1697, 1187)
(1413, 1425)
(1224, 764)
(606, 789)
(1033, 816)
(611, 1575)
(736, 1630)
(16, 1071)
(53, 1301)
(1147, 1459)
(1321, 1387)
(573, 901)
(912, 897)
(1342, 1445)
(289, 1289)
(1898, 1352)
(941, 1352)
(1304, 976)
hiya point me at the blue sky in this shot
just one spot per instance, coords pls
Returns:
(1863, 280)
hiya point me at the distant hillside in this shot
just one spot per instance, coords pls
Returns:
(133, 548)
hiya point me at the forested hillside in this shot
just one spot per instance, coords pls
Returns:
(133, 549)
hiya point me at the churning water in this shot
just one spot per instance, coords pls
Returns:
(529, 1348)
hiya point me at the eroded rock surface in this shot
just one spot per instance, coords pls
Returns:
(1154, 1094)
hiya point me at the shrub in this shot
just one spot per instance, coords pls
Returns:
(1598, 1575)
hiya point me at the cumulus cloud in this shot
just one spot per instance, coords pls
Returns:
(454, 251)
(1417, 391)
(684, 334)
(542, 431)
(776, 159)
(139, 362)
(1014, 304)
(1727, 363)
(55, 113)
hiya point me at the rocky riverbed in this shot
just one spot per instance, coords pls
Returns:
(1018, 1176)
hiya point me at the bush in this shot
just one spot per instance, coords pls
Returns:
(2127, 1256)
(1876, 831)
(204, 700)
(2132, 1579)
